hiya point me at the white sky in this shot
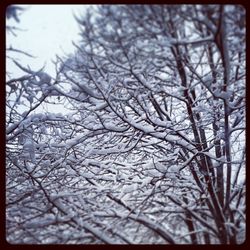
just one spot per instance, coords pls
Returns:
(48, 30)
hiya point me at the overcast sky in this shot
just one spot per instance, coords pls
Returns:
(48, 30)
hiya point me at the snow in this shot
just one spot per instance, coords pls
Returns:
(115, 165)
(146, 181)
(174, 169)
(153, 173)
(46, 163)
(129, 188)
(28, 145)
(38, 223)
(161, 167)
(84, 225)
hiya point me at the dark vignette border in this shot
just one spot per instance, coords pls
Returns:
(3, 5)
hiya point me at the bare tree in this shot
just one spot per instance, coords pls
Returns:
(152, 149)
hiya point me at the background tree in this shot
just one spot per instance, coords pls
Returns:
(153, 147)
